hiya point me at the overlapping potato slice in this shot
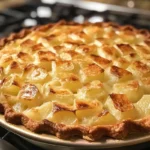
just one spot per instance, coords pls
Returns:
(143, 106)
(92, 72)
(10, 85)
(60, 95)
(40, 112)
(131, 89)
(120, 107)
(87, 111)
(116, 74)
(29, 95)
(93, 90)
(62, 114)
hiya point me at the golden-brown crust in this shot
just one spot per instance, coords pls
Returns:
(119, 130)
(95, 133)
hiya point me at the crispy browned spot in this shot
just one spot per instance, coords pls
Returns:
(7, 59)
(88, 48)
(142, 49)
(16, 83)
(60, 91)
(100, 60)
(24, 56)
(141, 67)
(144, 32)
(119, 72)
(109, 50)
(28, 43)
(134, 84)
(72, 53)
(29, 67)
(71, 77)
(50, 37)
(58, 48)
(147, 42)
(121, 102)
(82, 105)
(103, 113)
(92, 70)
(59, 107)
(76, 29)
(65, 64)
(128, 29)
(73, 42)
(14, 65)
(133, 55)
(46, 56)
(3, 81)
(123, 61)
(38, 47)
(125, 48)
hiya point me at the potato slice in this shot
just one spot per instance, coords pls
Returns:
(91, 72)
(143, 105)
(131, 89)
(39, 113)
(120, 107)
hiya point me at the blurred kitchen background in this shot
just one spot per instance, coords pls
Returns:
(18, 14)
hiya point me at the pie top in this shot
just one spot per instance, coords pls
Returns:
(78, 77)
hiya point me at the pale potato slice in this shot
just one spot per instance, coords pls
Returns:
(131, 89)
(64, 117)
(105, 118)
(145, 84)
(143, 105)
(10, 86)
(39, 113)
(60, 95)
(87, 116)
(12, 90)
(93, 90)
(37, 75)
(86, 112)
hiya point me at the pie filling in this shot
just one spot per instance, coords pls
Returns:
(78, 74)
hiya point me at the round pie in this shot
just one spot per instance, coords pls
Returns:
(87, 80)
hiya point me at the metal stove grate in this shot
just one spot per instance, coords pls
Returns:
(13, 20)
(16, 141)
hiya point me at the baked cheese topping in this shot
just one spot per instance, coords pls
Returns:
(78, 74)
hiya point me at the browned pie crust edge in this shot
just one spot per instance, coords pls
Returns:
(95, 133)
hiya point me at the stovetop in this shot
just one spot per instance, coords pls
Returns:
(31, 14)
(36, 12)
(16, 141)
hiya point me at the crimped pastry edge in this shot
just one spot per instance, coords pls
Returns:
(95, 133)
